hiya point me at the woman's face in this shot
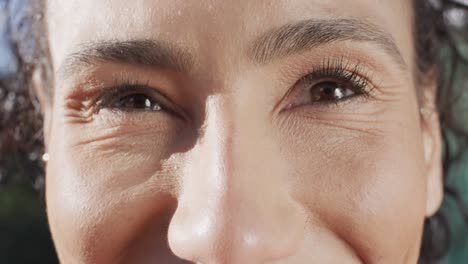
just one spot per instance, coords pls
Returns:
(238, 132)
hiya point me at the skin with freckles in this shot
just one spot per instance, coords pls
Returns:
(238, 132)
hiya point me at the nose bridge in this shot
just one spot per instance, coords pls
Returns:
(233, 207)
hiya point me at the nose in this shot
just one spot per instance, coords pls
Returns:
(234, 204)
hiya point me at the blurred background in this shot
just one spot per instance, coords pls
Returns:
(24, 234)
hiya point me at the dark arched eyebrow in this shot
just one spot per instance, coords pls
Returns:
(144, 52)
(283, 41)
(308, 34)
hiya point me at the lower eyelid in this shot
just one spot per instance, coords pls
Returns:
(114, 118)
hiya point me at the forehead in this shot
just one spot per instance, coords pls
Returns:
(211, 27)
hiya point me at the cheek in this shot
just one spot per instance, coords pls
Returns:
(366, 189)
(106, 182)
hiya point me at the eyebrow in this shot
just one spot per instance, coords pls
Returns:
(279, 42)
(134, 52)
(309, 34)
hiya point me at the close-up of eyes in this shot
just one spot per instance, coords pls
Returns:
(329, 84)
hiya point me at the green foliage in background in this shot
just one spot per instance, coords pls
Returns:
(24, 235)
(458, 173)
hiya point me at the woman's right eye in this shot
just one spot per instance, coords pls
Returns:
(136, 102)
(130, 98)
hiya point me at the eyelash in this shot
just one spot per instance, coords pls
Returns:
(339, 71)
(331, 83)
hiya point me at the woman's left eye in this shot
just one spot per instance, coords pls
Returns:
(330, 91)
(329, 86)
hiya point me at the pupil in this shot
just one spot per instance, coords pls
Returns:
(330, 89)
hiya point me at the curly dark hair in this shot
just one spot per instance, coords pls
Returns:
(439, 28)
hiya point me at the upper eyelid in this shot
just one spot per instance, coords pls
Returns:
(293, 69)
(357, 80)
(89, 84)
(333, 66)
(337, 73)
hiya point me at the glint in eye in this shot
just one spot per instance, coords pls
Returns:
(134, 98)
(330, 84)
(136, 102)
(330, 91)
